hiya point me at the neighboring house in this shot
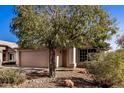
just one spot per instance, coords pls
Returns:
(70, 57)
(7, 52)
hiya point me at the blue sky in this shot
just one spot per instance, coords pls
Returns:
(117, 12)
(5, 19)
(6, 14)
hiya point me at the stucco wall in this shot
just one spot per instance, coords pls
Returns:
(0, 57)
(40, 58)
(1, 54)
(78, 56)
(70, 61)
(58, 58)
(70, 57)
(17, 57)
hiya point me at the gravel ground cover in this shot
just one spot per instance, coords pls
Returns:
(38, 78)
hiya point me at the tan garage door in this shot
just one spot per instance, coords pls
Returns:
(33, 58)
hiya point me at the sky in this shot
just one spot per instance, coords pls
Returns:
(6, 15)
(117, 12)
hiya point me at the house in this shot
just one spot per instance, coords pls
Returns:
(70, 57)
(7, 52)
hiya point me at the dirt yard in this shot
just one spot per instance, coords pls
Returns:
(38, 78)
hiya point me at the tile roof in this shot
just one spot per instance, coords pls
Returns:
(9, 44)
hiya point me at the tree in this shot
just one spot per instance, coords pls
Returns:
(62, 27)
(120, 41)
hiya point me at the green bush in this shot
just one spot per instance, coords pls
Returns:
(11, 76)
(108, 70)
(99, 56)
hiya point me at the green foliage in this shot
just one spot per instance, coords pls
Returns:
(11, 76)
(109, 71)
(97, 56)
(63, 26)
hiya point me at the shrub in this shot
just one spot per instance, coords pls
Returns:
(109, 70)
(11, 76)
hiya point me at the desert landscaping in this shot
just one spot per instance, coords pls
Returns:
(38, 78)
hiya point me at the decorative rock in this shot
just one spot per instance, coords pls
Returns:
(83, 71)
(68, 83)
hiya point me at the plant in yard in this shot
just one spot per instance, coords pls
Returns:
(11, 76)
(97, 56)
(109, 71)
(62, 27)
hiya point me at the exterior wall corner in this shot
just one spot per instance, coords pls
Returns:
(72, 57)
(17, 57)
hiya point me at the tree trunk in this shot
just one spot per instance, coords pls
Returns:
(52, 64)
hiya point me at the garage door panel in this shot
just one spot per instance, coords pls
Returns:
(34, 58)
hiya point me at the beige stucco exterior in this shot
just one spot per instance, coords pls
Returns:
(1, 54)
(7, 52)
(1, 58)
(40, 58)
(58, 57)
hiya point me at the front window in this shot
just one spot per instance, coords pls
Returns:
(85, 54)
(11, 56)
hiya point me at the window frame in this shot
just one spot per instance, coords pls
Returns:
(85, 56)
(12, 56)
